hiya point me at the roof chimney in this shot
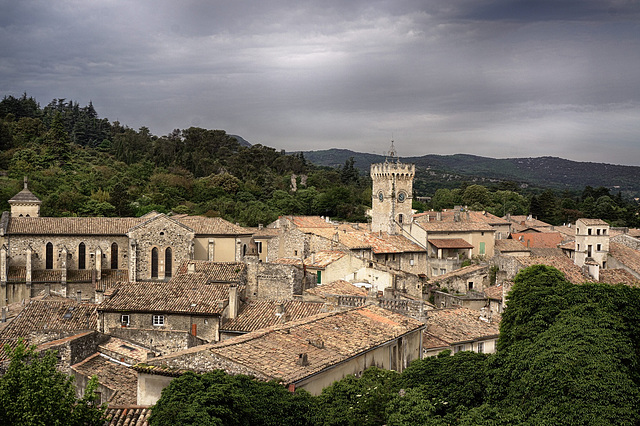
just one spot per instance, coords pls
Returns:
(303, 360)
(233, 301)
(280, 313)
(191, 267)
(79, 296)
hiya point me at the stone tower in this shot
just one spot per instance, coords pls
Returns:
(24, 203)
(392, 193)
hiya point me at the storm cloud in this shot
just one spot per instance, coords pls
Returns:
(494, 78)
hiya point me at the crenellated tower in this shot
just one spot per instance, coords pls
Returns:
(392, 193)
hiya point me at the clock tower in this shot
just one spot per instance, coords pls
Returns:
(392, 193)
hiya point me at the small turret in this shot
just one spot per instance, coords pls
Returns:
(24, 203)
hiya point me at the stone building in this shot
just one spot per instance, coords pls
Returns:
(71, 254)
(392, 194)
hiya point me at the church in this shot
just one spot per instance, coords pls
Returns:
(74, 256)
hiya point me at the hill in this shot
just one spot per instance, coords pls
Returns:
(550, 172)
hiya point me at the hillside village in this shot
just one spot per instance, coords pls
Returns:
(305, 300)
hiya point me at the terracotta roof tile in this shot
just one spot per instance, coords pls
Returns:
(457, 325)
(625, 255)
(471, 269)
(510, 246)
(188, 294)
(202, 225)
(592, 222)
(618, 276)
(323, 258)
(378, 242)
(571, 271)
(71, 225)
(439, 226)
(539, 239)
(117, 377)
(450, 243)
(338, 288)
(214, 271)
(327, 339)
(494, 292)
(127, 415)
(309, 222)
(258, 314)
(289, 261)
(49, 315)
(25, 196)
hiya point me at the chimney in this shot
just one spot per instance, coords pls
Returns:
(78, 296)
(191, 267)
(303, 360)
(509, 217)
(4, 314)
(233, 301)
(438, 216)
(280, 313)
(260, 226)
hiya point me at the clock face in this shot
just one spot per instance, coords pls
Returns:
(380, 196)
(401, 196)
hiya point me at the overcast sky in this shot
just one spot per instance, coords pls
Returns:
(497, 78)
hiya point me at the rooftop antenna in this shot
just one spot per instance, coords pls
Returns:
(392, 153)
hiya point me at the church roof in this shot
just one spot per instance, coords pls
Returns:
(25, 196)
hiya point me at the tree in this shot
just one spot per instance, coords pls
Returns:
(33, 392)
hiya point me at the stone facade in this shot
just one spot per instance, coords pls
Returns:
(392, 194)
(273, 280)
(162, 342)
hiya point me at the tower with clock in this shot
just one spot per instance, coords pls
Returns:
(392, 193)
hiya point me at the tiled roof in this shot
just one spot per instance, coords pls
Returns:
(52, 315)
(625, 255)
(258, 314)
(457, 325)
(115, 348)
(358, 238)
(509, 246)
(439, 226)
(634, 233)
(471, 269)
(465, 216)
(128, 415)
(215, 271)
(108, 277)
(25, 196)
(323, 258)
(618, 276)
(494, 292)
(288, 261)
(72, 225)
(566, 231)
(592, 222)
(186, 294)
(571, 271)
(338, 287)
(117, 377)
(202, 225)
(450, 243)
(547, 252)
(309, 222)
(529, 222)
(327, 339)
(569, 245)
(539, 239)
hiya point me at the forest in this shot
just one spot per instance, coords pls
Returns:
(80, 164)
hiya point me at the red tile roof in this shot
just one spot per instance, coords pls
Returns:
(457, 325)
(258, 314)
(117, 377)
(539, 239)
(127, 415)
(625, 255)
(450, 243)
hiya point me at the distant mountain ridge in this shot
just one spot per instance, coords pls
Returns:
(552, 172)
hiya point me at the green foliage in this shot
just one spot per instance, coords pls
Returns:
(216, 398)
(33, 392)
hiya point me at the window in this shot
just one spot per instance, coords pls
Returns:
(82, 256)
(480, 347)
(457, 349)
(578, 247)
(168, 262)
(114, 256)
(154, 263)
(124, 319)
(319, 278)
(588, 231)
(482, 248)
(49, 256)
(400, 218)
(597, 231)
(158, 320)
(599, 247)
(259, 243)
(470, 285)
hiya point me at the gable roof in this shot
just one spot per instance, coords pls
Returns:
(625, 255)
(592, 222)
(510, 246)
(467, 270)
(539, 239)
(571, 271)
(203, 225)
(257, 314)
(458, 325)
(439, 226)
(186, 294)
(71, 225)
(450, 243)
(117, 377)
(338, 288)
(326, 338)
(323, 258)
(214, 271)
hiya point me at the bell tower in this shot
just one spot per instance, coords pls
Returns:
(392, 193)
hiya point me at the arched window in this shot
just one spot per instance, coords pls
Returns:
(244, 250)
(154, 263)
(114, 256)
(168, 262)
(82, 256)
(49, 256)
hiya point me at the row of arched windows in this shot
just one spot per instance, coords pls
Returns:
(82, 256)
(168, 265)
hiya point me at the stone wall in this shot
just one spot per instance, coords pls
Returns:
(161, 233)
(161, 341)
(273, 280)
(73, 349)
(627, 240)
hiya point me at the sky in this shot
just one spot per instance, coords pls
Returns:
(496, 78)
